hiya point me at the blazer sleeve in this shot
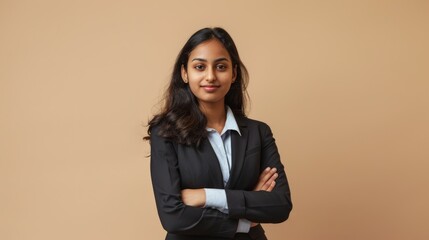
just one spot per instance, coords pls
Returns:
(175, 216)
(262, 206)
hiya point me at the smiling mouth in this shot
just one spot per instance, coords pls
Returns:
(210, 88)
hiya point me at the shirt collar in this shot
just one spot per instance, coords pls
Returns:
(230, 123)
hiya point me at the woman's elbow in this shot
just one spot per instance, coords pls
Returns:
(169, 225)
(177, 220)
(285, 213)
(282, 214)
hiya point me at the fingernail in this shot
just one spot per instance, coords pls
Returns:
(267, 169)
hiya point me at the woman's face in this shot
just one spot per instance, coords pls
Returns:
(210, 72)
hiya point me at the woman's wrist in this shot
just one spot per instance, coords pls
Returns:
(194, 197)
(254, 224)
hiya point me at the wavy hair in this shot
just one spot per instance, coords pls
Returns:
(180, 118)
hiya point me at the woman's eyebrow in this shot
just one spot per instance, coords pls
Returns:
(199, 59)
(205, 60)
(221, 59)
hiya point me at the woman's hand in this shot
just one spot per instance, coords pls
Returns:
(267, 180)
(194, 197)
(266, 183)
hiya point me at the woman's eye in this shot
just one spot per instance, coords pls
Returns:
(221, 67)
(199, 67)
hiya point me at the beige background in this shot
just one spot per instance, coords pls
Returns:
(343, 84)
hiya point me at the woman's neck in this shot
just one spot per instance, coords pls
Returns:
(215, 114)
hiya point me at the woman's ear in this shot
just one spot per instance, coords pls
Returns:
(184, 74)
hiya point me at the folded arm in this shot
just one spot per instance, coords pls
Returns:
(263, 206)
(175, 215)
(216, 198)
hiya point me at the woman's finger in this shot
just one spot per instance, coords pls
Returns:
(265, 179)
(268, 183)
(261, 179)
(271, 187)
(265, 176)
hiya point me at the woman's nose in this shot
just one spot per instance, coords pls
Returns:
(211, 74)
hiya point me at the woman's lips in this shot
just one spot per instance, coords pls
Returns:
(210, 88)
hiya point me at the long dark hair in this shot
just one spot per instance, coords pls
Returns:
(180, 119)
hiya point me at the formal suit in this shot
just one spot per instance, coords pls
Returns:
(175, 167)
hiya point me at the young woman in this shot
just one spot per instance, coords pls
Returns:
(216, 174)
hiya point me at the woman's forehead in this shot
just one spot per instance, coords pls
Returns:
(209, 50)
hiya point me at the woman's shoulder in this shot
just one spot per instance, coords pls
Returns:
(156, 133)
(250, 122)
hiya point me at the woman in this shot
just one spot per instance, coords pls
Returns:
(215, 173)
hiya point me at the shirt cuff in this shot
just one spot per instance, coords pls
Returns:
(216, 198)
(243, 225)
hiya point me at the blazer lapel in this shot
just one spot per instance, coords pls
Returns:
(239, 144)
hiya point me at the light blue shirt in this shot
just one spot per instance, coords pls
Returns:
(221, 144)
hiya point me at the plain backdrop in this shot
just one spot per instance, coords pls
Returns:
(344, 86)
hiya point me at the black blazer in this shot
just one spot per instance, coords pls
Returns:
(176, 166)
